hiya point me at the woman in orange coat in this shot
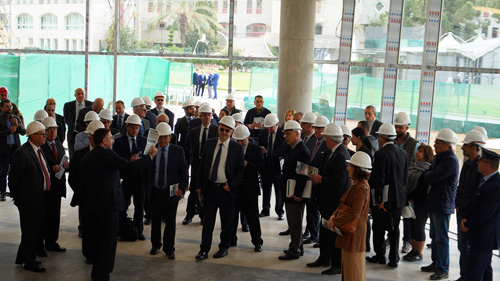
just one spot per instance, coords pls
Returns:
(357, 199)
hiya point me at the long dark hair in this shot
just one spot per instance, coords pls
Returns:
(360, 132)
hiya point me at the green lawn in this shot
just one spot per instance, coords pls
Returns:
(241, 80)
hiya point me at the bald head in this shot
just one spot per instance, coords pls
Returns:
(79, 95)
(51, 101)
(98, 105)
(162, 118)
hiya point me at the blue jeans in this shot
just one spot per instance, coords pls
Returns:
(215, 90)
(463, 245)
(440, 242)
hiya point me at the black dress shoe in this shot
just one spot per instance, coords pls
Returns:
(318, 263)
(220, 253)
(245, 228)
(429, 268)
(18, 262)
(316, 245)
(332, 271)
(41, 253)
(147, 222)
(154, 251)
(141, 237)
(286, 232)
(306, 235)
(34, 268)
(187, 220)
(263, 214)
(376, 259)
(201, 255)
(309, 241)
(439, 275)
(257, 248)
(280, 217)
(55, 248)
(393, 264)
(289, 256)
(170, 255)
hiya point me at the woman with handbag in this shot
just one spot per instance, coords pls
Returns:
(351, 216)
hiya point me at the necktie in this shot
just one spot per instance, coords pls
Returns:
(120, 122)
(203, 140)
(55, 151)
(270, 146)
(134, 147)
(141, 129)
(215, 167)
(315, 150)
(161, 176)
(306, 139)
(78, 111)
(44, 169)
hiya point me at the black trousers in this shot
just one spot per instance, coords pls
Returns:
(216, 197)
(268, 180)
(134, 189)
(328, 253)
(51, 220)
(313, 217)
(193, 203)
(102, 231)
(71, 143)
(250, 206)
(479, 267)
(379, 234)
(31, 226)
(163, 208)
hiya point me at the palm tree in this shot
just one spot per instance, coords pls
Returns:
(189, 15)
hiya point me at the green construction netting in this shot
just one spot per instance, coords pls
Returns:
(9, 75)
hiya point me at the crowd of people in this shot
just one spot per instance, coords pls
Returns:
(227, 161)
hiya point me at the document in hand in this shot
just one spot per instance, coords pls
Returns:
(173, 189)
(153, 137)
(290, 188)
(61, 172)
(306, 170)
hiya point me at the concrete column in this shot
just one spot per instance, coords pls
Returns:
(296, 55)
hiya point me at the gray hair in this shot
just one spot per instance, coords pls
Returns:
(337, 139)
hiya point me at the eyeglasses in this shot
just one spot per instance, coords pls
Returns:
(159, 99)
(225, 130)
(438, 143)
(40, 134)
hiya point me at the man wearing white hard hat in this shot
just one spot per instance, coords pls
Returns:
(347, 138)
(54, 153)
(230, 105)
(159, 99)
(129, 146)
(468, 184)
(120, 117)
(29, 180)
(294, 203)
(182, 125)
(149, 115)
(61, 127)
(306, 124)
(390, 167)
(196, 144)
(81, 139)
(96, 107)
(324, 108)
(106, 118)
(220, 173)
(333, 182)
(139, 107)
(254, 118)
(442, 176)
(238, 118)
(163, 118)
(249, 189)
(271, 139)
(167, 182)
(11, 127)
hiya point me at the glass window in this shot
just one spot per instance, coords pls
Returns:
(30, 41)
(48, 21)
(365, 88)
(225, 6)
(150, 6)
(259, 7)
(413, 32)
(318, 6)
(249, 6)
(318, 29)
(66, 41)
(24, 21)
(74, 44)
(4, 20)
(42, 43)
(48, 43)
(56, 44)
(235, 6)
(74, 21)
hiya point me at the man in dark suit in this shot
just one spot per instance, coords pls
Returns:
(120, 117)
(196, 82)
(167, 186)
(103, 197)
(259, 112)
(150, 116)
(371, 118)
(483, 222)
(29, 180)
(181, 126)
(202, 81)
(139, 107)
(10, 129)
(128, 147)
(51, 112)
(294, 203)
(222, 163)
(273, 142)
(215, 82)
(159, 99)
(196, 143)
(96, 106)
(390, 166)
(54, 153)
(248, 199)
(332, 182)
(61, 130)
(71, 114)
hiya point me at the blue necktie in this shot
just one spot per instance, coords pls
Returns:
(141, 129)
(161, 176)
(203, 140)
(215, 167)
(120, 122)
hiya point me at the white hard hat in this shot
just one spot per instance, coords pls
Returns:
(158, 94)
(90, 116)
(93, 126)
(197, 103)
(447, 135)
(148, 101)
(402, 118)
(40, 115)
(346, 131)
(482, 130)
(134, 119)
(474, 137)
(164, 129)
(325, 96)
(230, 97)
(49, 122)
(228, 121)
(241, 132)
(291, 125)
(205, 108)
(137, 102)
(238, 117)
(33, 127)
(321, 122)
(362, 160)
(387, 129)
(106, 114)
(271, 120)
(187, 103)
(309, 117)
(333, 130)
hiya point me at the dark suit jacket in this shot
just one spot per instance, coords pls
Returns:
(56, 186)
(334, 180)
(100, 178)
(195, 79)
(310, 142)
(484, 219)
(390, 166)
(177, 170)
(80, 125)
(299, 153)
(61, 131)
(114, 123)
(74, 175)
(375, 127)
(70, 111)
(277, 153)
(235, 166)
(5, 131)
(318, 158)
(193, 145)
(250, 181)
(26, 178)
(169, 113)
(122, 148)
(181, 130)
(147, 126)
(151, 117)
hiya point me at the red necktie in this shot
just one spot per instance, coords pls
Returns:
(44, 169)
(55, 151)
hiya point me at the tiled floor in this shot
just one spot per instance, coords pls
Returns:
(133, 261)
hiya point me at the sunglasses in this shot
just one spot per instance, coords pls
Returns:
(224, 130)
(159, 99)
